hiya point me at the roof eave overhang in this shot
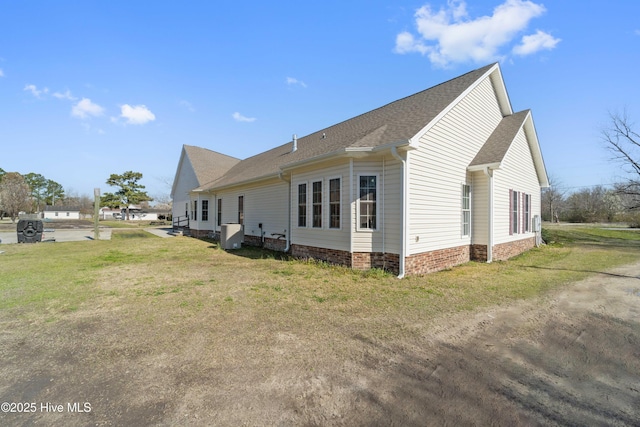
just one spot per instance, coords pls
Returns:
(484, 166)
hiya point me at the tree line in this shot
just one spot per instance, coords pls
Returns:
(621, 203)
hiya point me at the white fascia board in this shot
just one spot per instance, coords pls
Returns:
(492, 166)
(536, 152)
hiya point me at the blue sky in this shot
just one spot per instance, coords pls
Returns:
(91, 88)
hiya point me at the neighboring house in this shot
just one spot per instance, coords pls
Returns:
(61, 212)
(107, 213)
(197, 166)
(136, 213)
(436, 179)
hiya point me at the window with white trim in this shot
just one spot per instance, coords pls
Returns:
(514, 221)
(527, 212)
(194, 212)
(316, 203)
(241, 210)
(367, 204)
(205, 210)
(466, 210)
(334, 203)
(302, 205)
(219, 212)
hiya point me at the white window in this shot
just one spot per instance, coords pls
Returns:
(334, 202)
(205, 210)
(527, 212)
(466, 210)
(368, 202)
(316, 204)
(302, 205)
(514, 212)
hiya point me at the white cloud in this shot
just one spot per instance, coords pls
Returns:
(535, 42)
(35, 91)
(449, 35)
(240, 118)
(65, 95)
(292, 81)
(1, 73)
(84, 109)
(137, 114)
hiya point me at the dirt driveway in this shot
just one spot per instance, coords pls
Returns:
(570, 358)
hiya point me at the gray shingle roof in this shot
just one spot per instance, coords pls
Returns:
(395, 122)
(498, 143)
(208, 165)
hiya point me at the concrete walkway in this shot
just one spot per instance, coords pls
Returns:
(160, 232)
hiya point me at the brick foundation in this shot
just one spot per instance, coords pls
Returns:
(505, 251)
(423, 263)
(356, 260)
(269, 243)
(479, 252)
(429, 262)
(331, 256)
(200, 234)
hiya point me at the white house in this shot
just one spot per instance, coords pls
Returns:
(61, 212)
(429, 181)
(197, 166)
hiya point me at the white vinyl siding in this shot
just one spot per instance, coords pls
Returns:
(264, 204)
(518, 174)
(440, 164)
(324, 236)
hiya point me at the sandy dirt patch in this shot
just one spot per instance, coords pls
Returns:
(571, 357)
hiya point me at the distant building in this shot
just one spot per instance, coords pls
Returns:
(61, 212)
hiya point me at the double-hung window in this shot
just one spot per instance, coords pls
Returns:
(334, 203)
(302, 205)
(466, 210)
(241, 210)
(514, 220)
(526, 199)
(368, 185)
(194, 212)
(316, 203)
(219, 212)
(205, 210)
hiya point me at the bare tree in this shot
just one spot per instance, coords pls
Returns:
(624, 143)
(553, 200)
(14, 194)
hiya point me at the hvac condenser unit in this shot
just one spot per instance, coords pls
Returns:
(231, 236)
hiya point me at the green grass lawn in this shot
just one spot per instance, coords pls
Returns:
(183, 276)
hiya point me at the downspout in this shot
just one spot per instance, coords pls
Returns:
(489, 172)
(382, 220)
(288, 238)
(352, 223)
(403, 195)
